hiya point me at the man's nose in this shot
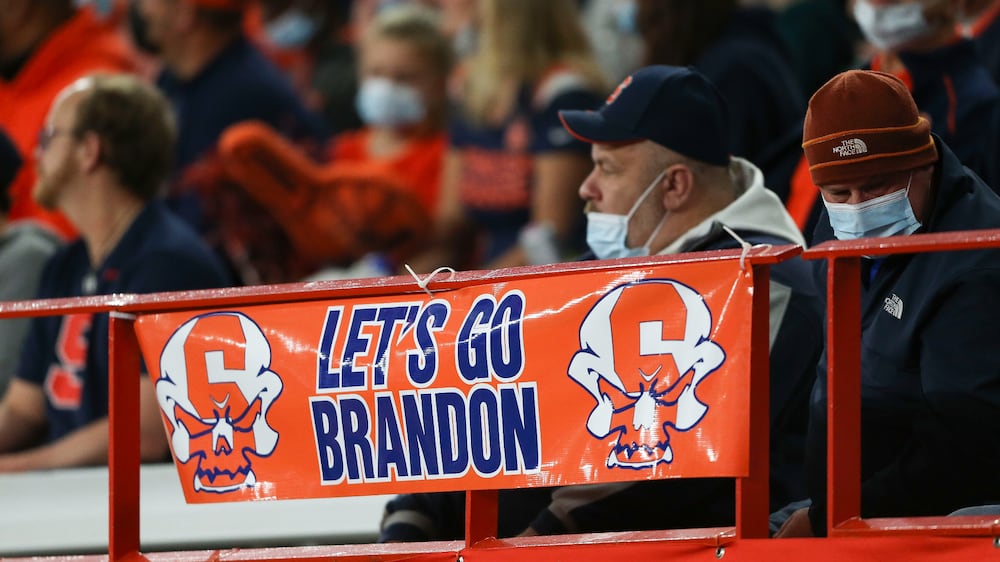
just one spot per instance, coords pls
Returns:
(588, 189)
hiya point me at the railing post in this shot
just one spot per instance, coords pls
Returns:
(481, 515)
(752, 494)
(843, 425)
(123, 453)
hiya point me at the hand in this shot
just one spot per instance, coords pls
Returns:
(796, 526)
(529, 532)
(13, 462)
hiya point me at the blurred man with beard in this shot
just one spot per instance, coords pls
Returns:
(102, 158)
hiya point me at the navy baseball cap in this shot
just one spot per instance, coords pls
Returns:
(675, 107)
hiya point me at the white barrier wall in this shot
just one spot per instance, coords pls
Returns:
(66, 511)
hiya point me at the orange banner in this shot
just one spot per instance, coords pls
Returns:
(577, 377)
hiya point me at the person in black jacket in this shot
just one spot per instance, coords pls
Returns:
(930, 405)
(664, 174)
(740, 49)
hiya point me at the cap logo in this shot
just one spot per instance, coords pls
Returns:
(614, 95)
(850, 147)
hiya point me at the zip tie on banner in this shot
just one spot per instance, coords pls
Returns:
(422, 283)
(745, 245)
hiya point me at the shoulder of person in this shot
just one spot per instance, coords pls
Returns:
(558, 80)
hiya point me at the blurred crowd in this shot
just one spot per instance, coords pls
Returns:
(427, 130)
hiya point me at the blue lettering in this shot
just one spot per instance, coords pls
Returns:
(472, 358)
(520, 428)
(389, 438)
(484, 431)
(419, 423)
(328, 449)
(506, 349)
(389, 316)
(327, 378)
(355, 421)
(421, 363)
(437, 432)
(453, 435)
(356, 344)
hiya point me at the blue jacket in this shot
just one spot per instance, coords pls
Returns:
(956, 91)
(751, 67)
(930, 396)
(988, 46)
(240, 84)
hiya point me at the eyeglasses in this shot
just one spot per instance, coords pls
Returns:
(47, 134)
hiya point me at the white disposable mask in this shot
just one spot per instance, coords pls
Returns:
(607, 233)
(887, 215)
(888, 27)
(382, 102)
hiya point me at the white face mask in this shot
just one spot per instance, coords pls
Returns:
(382, 102)
(888, 27)
(607, 233)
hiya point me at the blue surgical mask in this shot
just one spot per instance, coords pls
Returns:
(888, 27)
(627, 16)
(607, 233)
(102, 8)
(466, 41)
(291, 30)
(382, 102)
(888, 215)
(384, 5)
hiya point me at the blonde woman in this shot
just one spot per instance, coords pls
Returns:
(404, 65)
(511, 174)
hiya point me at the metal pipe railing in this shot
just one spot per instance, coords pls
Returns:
(749, 535)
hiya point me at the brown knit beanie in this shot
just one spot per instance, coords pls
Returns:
(864, 123)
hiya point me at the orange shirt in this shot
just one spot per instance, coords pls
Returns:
(418, 166)
(80, 46)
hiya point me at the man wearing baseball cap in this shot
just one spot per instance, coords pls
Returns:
(664, 182)
(930, 397)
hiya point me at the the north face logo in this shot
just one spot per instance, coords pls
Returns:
(850, 147)
(894, 306)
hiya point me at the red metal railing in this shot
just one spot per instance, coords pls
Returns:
(912, 538)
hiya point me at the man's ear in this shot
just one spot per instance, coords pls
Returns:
(677, 185)
(89, 151)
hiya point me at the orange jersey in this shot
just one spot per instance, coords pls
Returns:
(418, 166)
(78, 47)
